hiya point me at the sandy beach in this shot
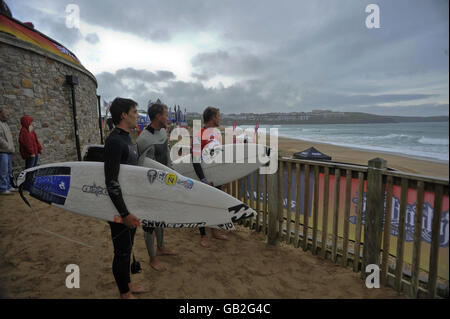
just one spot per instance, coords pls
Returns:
(414, 165)
(33, 262)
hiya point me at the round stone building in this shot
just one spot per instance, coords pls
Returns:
(34, 71)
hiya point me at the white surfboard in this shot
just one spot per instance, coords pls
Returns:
(246, 158)
(159, 198)
(243, 159)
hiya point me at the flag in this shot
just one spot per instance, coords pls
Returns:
(175, 113)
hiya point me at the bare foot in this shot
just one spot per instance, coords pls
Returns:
(165, 251)
(155, 264)
(216, 235)
(136, 289)
(204, 241)
(127, 295)
(221, 237)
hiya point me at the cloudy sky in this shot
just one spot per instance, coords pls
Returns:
(259, 55)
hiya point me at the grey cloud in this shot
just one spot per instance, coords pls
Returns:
(327, 100)
(409, 110)
(259, 97)
(227, 63)
(160, 35)
(111, 86)
(144, 75)
(165, 75)
(92, 38)
(139, 85)
(294, 55)
(201, 76)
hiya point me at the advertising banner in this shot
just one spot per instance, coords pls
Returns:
(23, 33)
(395, 214)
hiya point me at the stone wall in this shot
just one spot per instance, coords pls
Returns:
(33, 82)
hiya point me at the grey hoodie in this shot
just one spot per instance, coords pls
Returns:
(6, 140)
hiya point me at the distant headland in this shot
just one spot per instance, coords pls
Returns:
(316, 117)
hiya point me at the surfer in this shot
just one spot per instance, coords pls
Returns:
(153, 143)
(211, 119)
(120, 150)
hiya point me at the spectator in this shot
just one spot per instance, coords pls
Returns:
(30, 148)
(6, 149)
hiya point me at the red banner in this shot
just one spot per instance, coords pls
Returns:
(24, 33)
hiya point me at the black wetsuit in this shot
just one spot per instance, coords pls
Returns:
(119, 150)
(199, 172)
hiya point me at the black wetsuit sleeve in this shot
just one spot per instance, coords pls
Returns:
(198, 170)
(113, 155)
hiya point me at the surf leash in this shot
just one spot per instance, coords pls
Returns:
(46, 230)
(135, 265)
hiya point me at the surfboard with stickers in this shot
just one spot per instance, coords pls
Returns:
(159, 198)
(221, 164)
(225, 163)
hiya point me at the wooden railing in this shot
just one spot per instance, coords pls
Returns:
(355, 235)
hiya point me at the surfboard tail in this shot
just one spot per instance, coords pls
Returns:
(227, 226)
(47, 184)
(240, 212)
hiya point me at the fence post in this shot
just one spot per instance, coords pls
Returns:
(374, 213)
(273, 187)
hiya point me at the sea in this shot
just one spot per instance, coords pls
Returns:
(419, 139)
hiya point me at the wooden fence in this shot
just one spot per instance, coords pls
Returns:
(317, 218)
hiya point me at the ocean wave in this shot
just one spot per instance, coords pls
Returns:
(436, 154)
(389, 136)
(433, 141)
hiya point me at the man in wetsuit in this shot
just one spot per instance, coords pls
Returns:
(211, 119)
(153, 143)
(120, 150)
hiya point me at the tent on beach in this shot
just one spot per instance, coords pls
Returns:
(312, 154)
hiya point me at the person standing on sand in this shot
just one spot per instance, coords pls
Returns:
(30, 148)
(120, 150)
(211, 119)
(6, 149)
(153, 143)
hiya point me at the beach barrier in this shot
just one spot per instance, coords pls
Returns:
(357, 216)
